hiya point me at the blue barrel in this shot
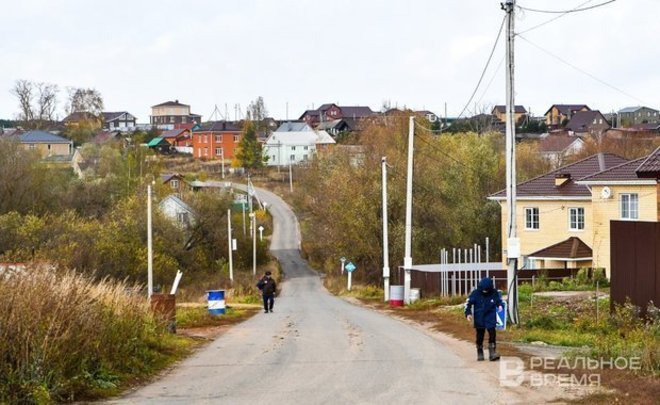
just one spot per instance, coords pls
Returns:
(216, 302)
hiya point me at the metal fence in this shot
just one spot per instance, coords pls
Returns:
(634, 263)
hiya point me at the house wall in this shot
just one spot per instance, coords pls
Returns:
(554, 117)
(170, 110)
(606, 210)
(641, 116)
(49, 149)
(553, 227)
(205, 144)
(280, 155)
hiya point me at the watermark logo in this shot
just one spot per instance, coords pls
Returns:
(562, 372)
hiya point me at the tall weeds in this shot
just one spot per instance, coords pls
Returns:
(63, 336)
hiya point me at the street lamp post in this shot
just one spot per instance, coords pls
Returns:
(261, 233)
(150, 252)
(222, 160)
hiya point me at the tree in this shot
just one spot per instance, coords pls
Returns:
(250, 154)
(85, 100)
(37, 102)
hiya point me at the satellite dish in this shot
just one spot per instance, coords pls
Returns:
(606, 193)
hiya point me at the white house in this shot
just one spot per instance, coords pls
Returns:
(294, 147)
(177, 210)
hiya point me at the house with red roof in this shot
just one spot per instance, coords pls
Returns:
(331, 112)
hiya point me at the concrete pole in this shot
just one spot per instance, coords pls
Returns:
(513, 243)
(386, 259)
(407, 259)
(254, 243)
(350, 276)
(230, 244)
(150, 250)
(222, 159)
(290, 178)
(243, 205)
(487, 247)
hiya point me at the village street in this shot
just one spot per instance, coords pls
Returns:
(317, 348)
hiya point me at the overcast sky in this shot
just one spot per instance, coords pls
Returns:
(417, 53)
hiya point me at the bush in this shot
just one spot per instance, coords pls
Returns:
(63, 337)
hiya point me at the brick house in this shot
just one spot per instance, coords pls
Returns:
(331, 112)
(519, 113)
(170, 113)
(217, 140)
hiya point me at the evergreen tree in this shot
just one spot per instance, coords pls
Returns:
(250, 154)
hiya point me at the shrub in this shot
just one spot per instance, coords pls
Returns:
(63, 337)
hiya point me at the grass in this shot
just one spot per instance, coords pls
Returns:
(198, 317)
(65, 337)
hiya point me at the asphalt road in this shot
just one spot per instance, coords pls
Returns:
(319, 349)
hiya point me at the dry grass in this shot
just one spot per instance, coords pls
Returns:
(64, 337)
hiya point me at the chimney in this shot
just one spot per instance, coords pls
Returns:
(601, 162)
(176, 101)
(561, 179)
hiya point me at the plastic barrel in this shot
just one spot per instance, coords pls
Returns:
(414, 294)
(396, 295)
(216, 302)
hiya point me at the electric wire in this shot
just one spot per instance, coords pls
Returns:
(483, 72)
(574, 10)
(553, 18)
(584, 72)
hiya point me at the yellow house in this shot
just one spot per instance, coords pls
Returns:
(555, 215)
(46, 144)
(628, 192)
(519, 113)
(558, 113)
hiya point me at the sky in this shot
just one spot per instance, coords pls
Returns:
(299, 54)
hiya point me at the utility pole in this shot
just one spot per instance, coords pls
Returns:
(150, 250)
(407, 259)
(386, 259)
(253, 218)
(230, 244)
(222, 160)
(513, 243)
(290, 178)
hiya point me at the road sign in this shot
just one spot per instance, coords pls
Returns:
(350, 267)
(500, 317)
(342, 259)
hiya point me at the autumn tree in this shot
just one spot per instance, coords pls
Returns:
(37, 102)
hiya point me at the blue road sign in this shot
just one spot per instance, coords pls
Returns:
(500, 318)
(350, 267)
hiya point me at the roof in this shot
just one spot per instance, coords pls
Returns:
(650, 167)
(179, 202)
(111, 116)
(570, 249)
(79, 116)
(356, 111)
(172, 133)
(567, 109)
(502, 109)
(544, 185)
(105, 136)
(157, 141)
(583, 120)
(38, 136)
(634, 109)
(293, 126)
(216, 126)
(295, 138)
(169, 176)
(174, 103)
(621, 172)
(557, 143)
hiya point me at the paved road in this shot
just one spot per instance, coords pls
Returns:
(319, 349)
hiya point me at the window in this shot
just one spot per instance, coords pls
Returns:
(218, 151)
(531, 218)
(32, 146)
(629, 206)
(576, 219)
(205, 139)
(174, 184)
(236, 138)
(293, 148)
(171, 119)
(206, 151)
(218, 138)
(182, 217)
(292, 158)
(306, 148)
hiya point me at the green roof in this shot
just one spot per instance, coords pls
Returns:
(157, 142)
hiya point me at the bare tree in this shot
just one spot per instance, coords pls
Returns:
(24, 92)
(46, 101)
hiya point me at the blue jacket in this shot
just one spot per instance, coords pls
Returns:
(482, 304)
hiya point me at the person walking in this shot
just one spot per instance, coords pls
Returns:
(268, 287)
(481, 307)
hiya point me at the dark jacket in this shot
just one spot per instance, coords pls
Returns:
(267, 285)
(482, 304)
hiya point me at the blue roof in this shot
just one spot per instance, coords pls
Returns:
(37, 136)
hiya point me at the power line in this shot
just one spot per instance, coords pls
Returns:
(575, 10)
(483, 72)
(584, 72)
(554, 18)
